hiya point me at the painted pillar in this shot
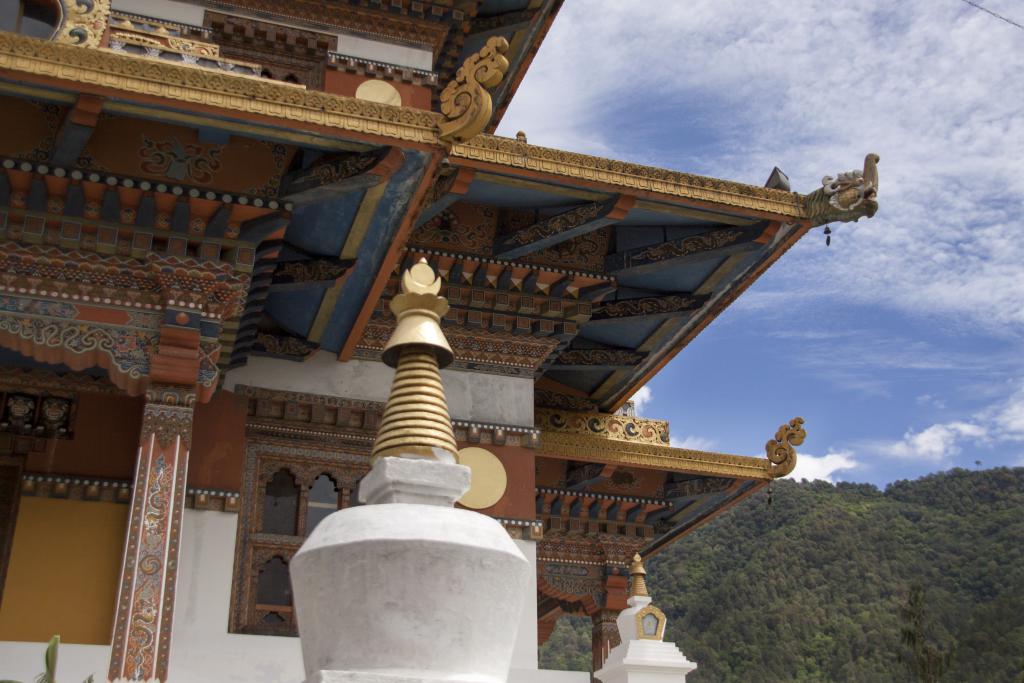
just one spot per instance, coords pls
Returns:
(140, 648)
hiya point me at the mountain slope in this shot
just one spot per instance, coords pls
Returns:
(810, 588)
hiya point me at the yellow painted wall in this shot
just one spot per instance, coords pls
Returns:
(63, 571)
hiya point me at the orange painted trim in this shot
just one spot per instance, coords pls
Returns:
(391, 258)
(715, 311)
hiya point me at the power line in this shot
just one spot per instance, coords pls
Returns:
(1011, 22)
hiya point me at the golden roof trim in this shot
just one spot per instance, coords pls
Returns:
(253, 95)
(515, 154)
(198, 85)
(613, 451)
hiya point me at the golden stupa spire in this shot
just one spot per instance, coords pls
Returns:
(416, 422)
(638, 585)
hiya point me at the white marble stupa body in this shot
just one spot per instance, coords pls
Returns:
(403, 592)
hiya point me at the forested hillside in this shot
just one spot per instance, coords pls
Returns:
(815, 586)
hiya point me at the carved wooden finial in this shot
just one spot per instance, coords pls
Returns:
(781, 450)
(465, 101)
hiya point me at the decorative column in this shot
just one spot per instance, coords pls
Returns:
(140, 648)
(643, 656)
(142, 630)
(408, 589)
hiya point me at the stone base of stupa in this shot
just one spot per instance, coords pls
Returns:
(403, 592)
(645, 661)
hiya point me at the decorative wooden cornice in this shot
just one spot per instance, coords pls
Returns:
(563, 226)
(511, 153)
(251, 95)
(523, 529)
(315, 416)
(196, 85)
(602, 449)
(597, 358)
(663, 305)
(94, 489)
(35, 379)
(694, 246)
(604, 425)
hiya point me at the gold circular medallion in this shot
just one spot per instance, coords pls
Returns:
(379, 91)
(489, 478)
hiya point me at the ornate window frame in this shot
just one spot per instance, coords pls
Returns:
(345, 460)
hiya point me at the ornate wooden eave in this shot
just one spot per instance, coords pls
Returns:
(667, 458)
(106, 70)
(142, 78)
(549, 162)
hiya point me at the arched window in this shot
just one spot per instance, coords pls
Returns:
(281, 504)
(323, 500)
(36, 18)
(274, 587)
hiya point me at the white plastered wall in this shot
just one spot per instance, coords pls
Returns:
(24, 661)
(472, 396)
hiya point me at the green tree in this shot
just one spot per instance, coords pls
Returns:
(928, 661)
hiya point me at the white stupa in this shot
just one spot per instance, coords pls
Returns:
(407, 588)
(643, 656)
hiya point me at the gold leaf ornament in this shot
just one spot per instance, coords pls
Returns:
(781, 450)
(465, 101)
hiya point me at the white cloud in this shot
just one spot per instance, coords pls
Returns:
(641, 398)
(1009, 417)
(934, 88)
(812, 467)
(937, 443)
(693, 443)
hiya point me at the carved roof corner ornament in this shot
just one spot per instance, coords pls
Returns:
(846, 197)
(781, 451)
(84, 22)
(465, 101)
(416, 422)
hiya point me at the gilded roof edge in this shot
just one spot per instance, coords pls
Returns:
(614, 451)
(248, 94)
(515, 154)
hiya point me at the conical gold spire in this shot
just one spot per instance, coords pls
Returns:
(638, 586)
(416, 421)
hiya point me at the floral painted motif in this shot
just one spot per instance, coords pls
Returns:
(181, 161)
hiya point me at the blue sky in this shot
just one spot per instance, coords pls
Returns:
(902, 344)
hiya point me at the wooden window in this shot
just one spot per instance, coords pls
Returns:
(281, 504)
(323, 500)
(287, 491)
(284, 53)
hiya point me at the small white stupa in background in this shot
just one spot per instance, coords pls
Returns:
(407, 588)
(643, 656)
